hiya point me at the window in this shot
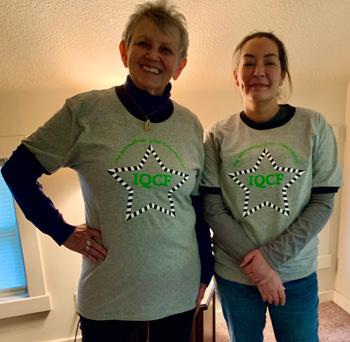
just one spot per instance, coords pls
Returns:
(12, 276)
(26, 247)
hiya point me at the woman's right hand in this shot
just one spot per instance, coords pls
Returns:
(83, 241)
(272, 290)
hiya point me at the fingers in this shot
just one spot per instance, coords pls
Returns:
(256, 267)
(93, 250)
(90, 257)
(263, 297)
(247, 269)
(282, 296)
(197, 310)
(276, 299)
(271, 298)
(95, 233)
(272, 291)
(247, 259)
(199, 298)
(200, 295)
(83, 241)
(96, 250)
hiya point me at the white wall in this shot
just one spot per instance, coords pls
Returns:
(50, 50)
(342, 285)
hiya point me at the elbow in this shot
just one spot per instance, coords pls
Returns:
(6, 173)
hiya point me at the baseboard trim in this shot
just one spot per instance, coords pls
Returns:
(341, 301)
(326, 296)
(69, 340)
(324, 261)
(219, 316)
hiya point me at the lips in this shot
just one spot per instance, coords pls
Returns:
(258, 85)
(152, 70)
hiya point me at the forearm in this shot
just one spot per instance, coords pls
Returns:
(301, 232)
(204, 242)
(21, 172)
(227, 232)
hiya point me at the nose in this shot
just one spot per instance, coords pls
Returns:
(153, 54)
(259, 70)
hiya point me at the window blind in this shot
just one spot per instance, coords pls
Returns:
(12, 273)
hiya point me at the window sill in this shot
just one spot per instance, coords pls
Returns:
(38, 299)
(19, 306)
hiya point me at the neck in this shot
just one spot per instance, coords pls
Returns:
(147, 103)
(261, 112)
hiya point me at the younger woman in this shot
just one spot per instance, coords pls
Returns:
(269, 180)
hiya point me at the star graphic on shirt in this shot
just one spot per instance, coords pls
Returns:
(129, 214)
(285, 210)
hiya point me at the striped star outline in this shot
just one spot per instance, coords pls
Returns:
(129, 214)
(285, 211)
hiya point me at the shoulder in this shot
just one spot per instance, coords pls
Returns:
(316, 121)
(309, 114)
(91, 97)
(93, 94)
(222, 126)
(182, 110)
(186, 115)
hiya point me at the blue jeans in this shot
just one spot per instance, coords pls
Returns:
(245, 312)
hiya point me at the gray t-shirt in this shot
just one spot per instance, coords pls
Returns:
(136, 187)
(266, 177)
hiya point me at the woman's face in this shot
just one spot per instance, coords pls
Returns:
(152, 57)
(259, 73)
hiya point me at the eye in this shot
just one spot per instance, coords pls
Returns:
(143, 44)
(270, 63)
(248, 64)
(166, 50)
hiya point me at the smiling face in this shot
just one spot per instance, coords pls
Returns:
(152, 57)
(259, 74)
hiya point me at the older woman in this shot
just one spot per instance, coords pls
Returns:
(270, 176)
(139, 158)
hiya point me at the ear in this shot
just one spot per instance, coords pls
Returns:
(235, 75)
(179, 69)
(283, 76)
(123, 53)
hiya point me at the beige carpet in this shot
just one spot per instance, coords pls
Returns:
(334, 326)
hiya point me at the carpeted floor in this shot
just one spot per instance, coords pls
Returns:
(334, 326)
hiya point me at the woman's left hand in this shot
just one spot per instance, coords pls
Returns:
(200, 296)
(272, 291)
(256, 267)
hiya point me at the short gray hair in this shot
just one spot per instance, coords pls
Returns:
(165, 16)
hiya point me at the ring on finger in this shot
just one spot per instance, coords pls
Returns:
(87, 248)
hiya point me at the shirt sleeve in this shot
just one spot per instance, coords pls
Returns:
(227, 232)
(53, 144)
(309, 223)
(204, 242)
(326, 171)
(326, 179)
(200, 152)
(21, 173)
(212, 163)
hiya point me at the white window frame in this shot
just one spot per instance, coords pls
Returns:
(38, 300)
